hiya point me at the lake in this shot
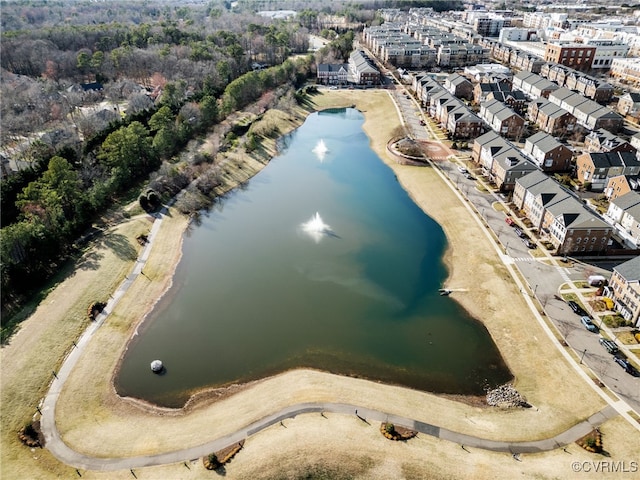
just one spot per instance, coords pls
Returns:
(321, 260)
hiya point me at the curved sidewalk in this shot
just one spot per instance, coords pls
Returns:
(65, 454)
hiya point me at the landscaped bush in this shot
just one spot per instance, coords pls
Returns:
(614, 321)
(591, 442)
(30, 435)
(390, 431)
(216, 460)
(94, 309)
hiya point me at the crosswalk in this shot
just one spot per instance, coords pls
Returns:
(564, 273)
(523, 259)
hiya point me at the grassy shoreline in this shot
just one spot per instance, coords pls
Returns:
(94, 420)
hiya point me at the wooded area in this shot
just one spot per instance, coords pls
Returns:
(97, 96)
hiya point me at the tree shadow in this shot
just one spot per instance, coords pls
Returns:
(121, 246)
(90, 260)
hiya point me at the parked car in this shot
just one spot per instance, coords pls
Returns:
(609, 345)
(624, 363)
(510, 221)
(463, 170)
(588, 324)
(468, 176)
(520, 233)
(422, 122)
(577, 309)
(528, 243)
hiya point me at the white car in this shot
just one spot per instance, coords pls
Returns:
(463, 170)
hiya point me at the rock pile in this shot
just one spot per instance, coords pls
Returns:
(506, 396)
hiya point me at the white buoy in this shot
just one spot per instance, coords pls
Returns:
(156, 366)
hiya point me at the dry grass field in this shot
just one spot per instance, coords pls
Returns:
(92, 419)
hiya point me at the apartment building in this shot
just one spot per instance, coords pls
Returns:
(577, 56)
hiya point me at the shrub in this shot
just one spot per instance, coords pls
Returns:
(211, 462)
(94, 309)
(149, 200)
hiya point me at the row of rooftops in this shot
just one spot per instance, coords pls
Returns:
(562, 96)
(495, 109)
(606, 160)
(543, 141)
(362, 63)
(415, 36)
(560, 202)
(504, 152)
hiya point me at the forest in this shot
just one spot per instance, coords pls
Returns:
(101, 97)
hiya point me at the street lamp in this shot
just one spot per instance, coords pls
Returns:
(582, 358)
(534, 290)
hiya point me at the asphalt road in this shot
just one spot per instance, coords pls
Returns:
(544, 280)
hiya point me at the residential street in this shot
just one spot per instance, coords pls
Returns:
(544, 275)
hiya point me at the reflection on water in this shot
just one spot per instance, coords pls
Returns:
(327, 265)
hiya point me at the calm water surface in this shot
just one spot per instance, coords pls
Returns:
(321, 261)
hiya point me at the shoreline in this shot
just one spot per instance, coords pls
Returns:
(94, 419)
(204, 396)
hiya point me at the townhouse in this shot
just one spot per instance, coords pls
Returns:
(500, 160)
(459, 86)
(532, 85)
(602, 140)
(591, 87)
(559, 216)
(551, 118)
(625, 289)
(502, 119)
(629, 104)
(483, 89)
(548, 153)
(448, 110)
(515, 100)
(620, 185)
(333, 73)
(589, 114)
(363, 69)
(596, 168)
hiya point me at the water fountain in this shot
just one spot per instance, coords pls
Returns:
(316, 228)
(320, 150)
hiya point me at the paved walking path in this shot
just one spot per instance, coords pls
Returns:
(78, 460)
